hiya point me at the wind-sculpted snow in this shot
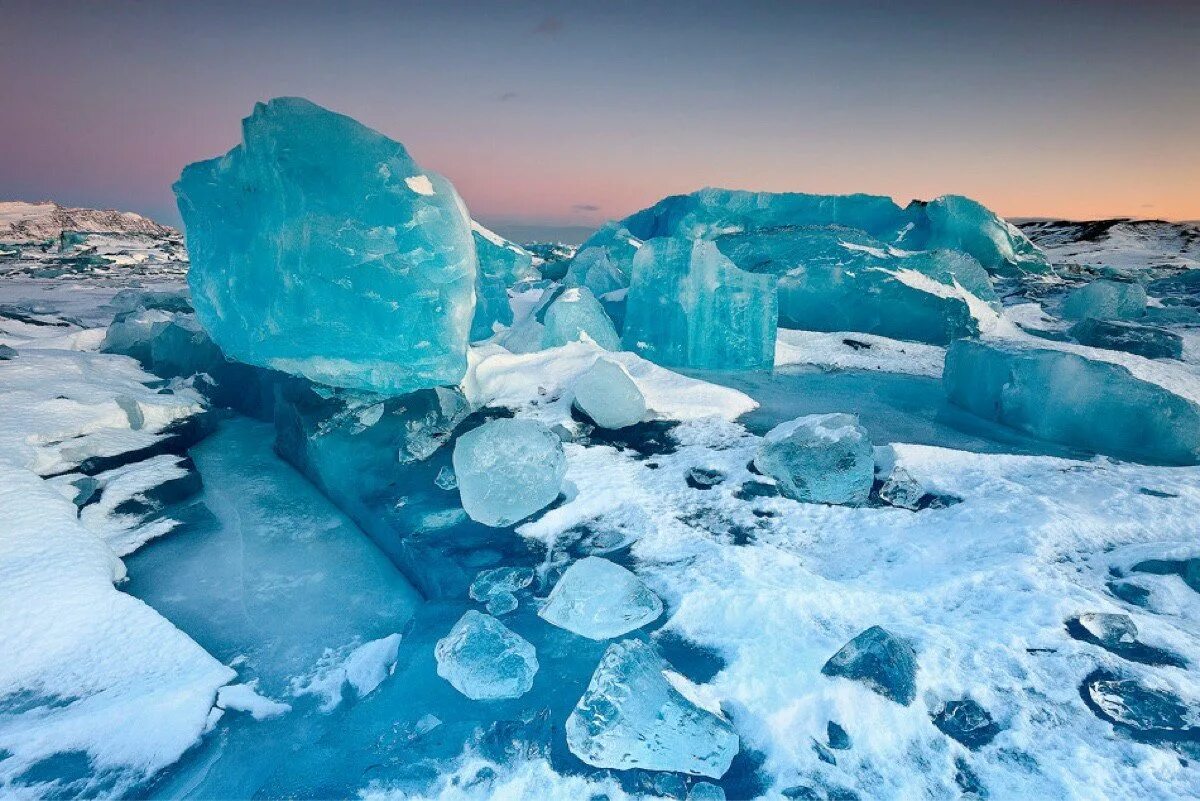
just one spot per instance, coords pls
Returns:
(320, 248)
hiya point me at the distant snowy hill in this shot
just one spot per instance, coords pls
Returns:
(1120, 243)
(46, 240)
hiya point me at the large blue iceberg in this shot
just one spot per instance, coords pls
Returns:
(319, 248)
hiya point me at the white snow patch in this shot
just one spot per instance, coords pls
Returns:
(420, 184)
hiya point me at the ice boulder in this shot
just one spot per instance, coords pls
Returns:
(820, 458)
(1104, 299)
(880, 660)
(838, 279)
(501, 265)
(1143, 340)
(575, 314)
(959, 223)
(690, 306)
(1083, 402)
(318, 247)
(604, 262)
(598, 599)
(607, 395)
(485, 660)
(968, 722)
(508, 469)
(633, 716)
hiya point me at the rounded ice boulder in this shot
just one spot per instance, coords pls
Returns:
(820, 458)
(598, 599)
(320, 248)
(508, 469)
(607, 395)
(485, 660)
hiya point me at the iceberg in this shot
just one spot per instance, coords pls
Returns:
(1142, 340)
(604, 263)
(880, 660)
(501, 265)
(1104, 299)
(1066, 397)
(690, 306)
(319, 248)
(574, 314)
(959, 223)
(485, 660)
(608, 396)
(820, 458)
(632, 716)
(508, 469)
(598, 599)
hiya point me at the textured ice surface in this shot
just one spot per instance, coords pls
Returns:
(880, 660)
(819, 459)
(497, 587)
(632, 716)
(507, 470)
(575, 313)
(598, 599)
(960, 223)
(690, 306)
(318, 247)
(485, 660)
(501, 264)
(901, 489)
(604, 263)
(607, 395)
(833, 278)
(1142, 340)
(1105, 300)
(1067, 397)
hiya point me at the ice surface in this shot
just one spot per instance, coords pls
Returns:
(574, 314)
(604, 263)
(508, 469)
(1105, 300)
(485, 660)
(690, 306)
(497, 587)
(501, 264)
(632, 717)
(318, 247)
(1067, 397)
(607, 395)
(880, 660)
(819, 459)
(1142, 340)
(598, 599)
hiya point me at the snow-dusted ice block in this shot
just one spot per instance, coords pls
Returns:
(833, 278)
(1069, 398)
(508, 469)
(1105, 300)
(880, 660)
(690, 306)
(598, 599)
(632, 716)
(607, 395)
(821, 458)
(501, 264)
(575, 313)
(485, 660)
(318, 247)
(959, 223)
(1143, 340)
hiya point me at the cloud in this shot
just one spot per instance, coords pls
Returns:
(1147, 205)
(549, 26)
(504, 98)
(585, 207)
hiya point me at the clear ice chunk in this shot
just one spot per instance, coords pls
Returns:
(508, 469)
(318, 247)
(501, 265)
(880, 660)
(1071, 399)
(959, 223)
(690, 306)
(632, 716)
(607, 395)
(574, 314)
(500, 581)
(485, 660)
(598, 599)
(820, 458)
(1105, 300)
(902, 490)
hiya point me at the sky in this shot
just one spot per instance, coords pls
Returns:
(560, 115)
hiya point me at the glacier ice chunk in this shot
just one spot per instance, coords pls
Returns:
(1143, 340)
(598, 599)
(632, 716)
(485, 660)
(576, 313)
(318, 247)
(959, 223)
(968, 722)
(604, 262)
(1069, 398)
(501, 265)
(880, 660)
(607, 395)
(1104, 299)
(690, 306)
(508, 469)
(820, 458)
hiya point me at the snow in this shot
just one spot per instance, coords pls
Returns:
(126, 533)
(850, 350)
(362, 668)
(245, 698)
(420, 184)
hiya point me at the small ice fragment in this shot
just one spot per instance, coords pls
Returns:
(607, 395)
(485, 660)
(598, 599)
(880, 660)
